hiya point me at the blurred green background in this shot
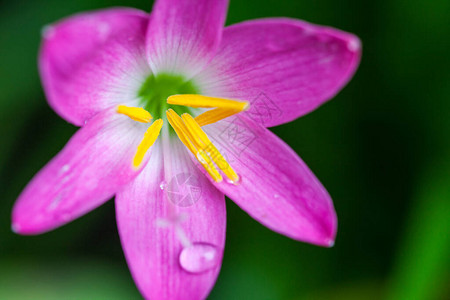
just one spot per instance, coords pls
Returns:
(381, 148)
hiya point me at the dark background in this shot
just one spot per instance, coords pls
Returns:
(381, 148)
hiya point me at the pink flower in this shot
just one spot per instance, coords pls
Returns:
(212, 93)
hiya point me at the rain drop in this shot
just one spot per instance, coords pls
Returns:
(199, 257)
(354, 45)
(64, 169)
(48, 31)
(234, 182)
(163, 185)
(200, 156)
(15, 228)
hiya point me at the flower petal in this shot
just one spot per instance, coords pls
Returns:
(276, 187)
(183, 35)
(167, 207)
(285, 68)
(93, 165)
(91, 61)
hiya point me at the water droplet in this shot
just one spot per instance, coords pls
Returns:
(15, 228)
(64, 169)
(200, 156)
(234, 182)
(199, 257)
(276, 196)
(330, 243)
(354, 45)
(48, 31)
(163, 185)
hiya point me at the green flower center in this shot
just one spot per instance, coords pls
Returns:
(157, 88)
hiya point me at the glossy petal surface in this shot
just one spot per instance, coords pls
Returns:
(91, 61)
(276, 187)
(285, 68)
(95, 163)
(169, 207)
(183, 35)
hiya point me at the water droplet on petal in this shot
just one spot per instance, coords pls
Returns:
(64, 169)
(200, 156)
(15, 228)
(276, 196)
(330, 243)
(48, 31)
(199, 257)
(163, 185)
(354, 45)
(234, 182)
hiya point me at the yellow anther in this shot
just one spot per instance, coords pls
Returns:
(208, 147)
(190, 142)
(214, 115)
(149, 139)
(177, 124)
(136, 113)
(207, 102)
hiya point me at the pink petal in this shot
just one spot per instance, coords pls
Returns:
(93, 165)
(158, 218)
(183, 35)
(91, 61)
(285, 68)
(276, 187)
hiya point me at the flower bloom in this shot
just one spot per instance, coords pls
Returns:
(174, 110)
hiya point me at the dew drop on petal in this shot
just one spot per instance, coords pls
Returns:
(354, 45)
(330, 243)
(64, 169)
(199, 257)
(15, 228)
(200, 157)
(163, 185)
(234, 182)
(48, 31)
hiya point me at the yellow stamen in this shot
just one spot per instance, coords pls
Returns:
(136, 113)
(149, 139)
(191, 143)
(214, 115)
(207, 146)
(207, 102)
